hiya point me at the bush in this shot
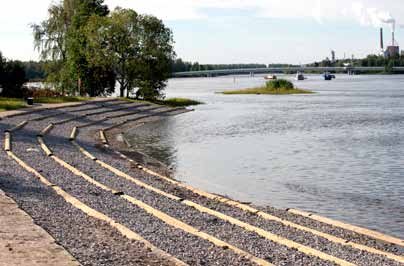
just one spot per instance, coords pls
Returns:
(279, 84)
(12, 77)
(39, 93)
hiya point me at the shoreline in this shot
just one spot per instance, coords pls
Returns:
(174, 209)
(128, 150)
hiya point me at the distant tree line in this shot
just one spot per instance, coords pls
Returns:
(34, 71)
(12, 78)
(88, 49)
(179, 65)
(369, 61)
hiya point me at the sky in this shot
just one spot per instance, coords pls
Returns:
(238, 31)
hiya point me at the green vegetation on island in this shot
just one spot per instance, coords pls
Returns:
(280, 86)
(178, 102)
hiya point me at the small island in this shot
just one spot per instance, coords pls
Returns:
(280, 86)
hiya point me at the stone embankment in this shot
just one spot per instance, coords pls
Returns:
(105, 208)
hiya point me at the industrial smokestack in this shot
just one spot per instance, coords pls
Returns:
(393, 39)
(381, 39)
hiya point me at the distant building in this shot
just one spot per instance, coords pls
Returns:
(392, 51)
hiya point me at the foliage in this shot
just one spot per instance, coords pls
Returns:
(88, 49)
(62, 43)
(178, 65)
(12, 78)
(279, 84)
(139, 49)
(34, 71)
(369, 61)
(37, 93)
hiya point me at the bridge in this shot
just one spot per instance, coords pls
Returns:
(267, 70)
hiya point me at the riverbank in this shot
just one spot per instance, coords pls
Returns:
(172, 102)
(95, 201)
(7, 104)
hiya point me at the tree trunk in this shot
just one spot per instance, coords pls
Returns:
(121, 89)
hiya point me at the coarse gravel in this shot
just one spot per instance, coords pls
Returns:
(172, 240)
(90, 241)
(345, 252)
(190, 249)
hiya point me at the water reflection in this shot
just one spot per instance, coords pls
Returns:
(338, 152)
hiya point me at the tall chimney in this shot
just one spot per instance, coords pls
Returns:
(381, 39)
(393, 39)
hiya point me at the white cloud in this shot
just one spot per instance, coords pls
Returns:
(366, 12)
(16, 15)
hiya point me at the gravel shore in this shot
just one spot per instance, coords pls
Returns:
(93, 242)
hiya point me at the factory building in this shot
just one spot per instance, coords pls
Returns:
(391, 50)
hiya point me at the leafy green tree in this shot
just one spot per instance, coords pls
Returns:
(62, 42)
(12, 78)
(195, 66)
(156, 54)
(2, 63)
(114, 43)
(138, 48)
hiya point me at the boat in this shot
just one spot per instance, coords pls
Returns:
(300, 76)
(270, 77)
(328, 76)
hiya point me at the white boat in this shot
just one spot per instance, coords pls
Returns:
(300, 76)
(270, 77)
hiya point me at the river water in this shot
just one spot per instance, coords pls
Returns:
(338, 152)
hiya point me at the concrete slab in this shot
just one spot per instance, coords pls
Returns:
(24, 243)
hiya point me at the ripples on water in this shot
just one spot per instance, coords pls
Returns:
(339, 152)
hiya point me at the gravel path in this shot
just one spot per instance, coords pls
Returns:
(95, 243)
(90, 241)
(157, 232)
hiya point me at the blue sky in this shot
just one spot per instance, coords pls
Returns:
(239, 31)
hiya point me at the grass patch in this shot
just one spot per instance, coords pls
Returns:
(178, 102)
(172, 102)
(280, 86)
(7, 104)
(63, 99)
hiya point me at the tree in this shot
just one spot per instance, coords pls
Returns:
(12, 78)
(157, 53)
(2, 63)
(62, 42)
(88, 49)
(138, 48)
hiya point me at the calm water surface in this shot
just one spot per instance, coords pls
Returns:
(339, 152)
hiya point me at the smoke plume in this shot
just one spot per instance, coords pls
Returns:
(373, 16)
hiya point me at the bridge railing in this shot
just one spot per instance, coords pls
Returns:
(278, 69)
